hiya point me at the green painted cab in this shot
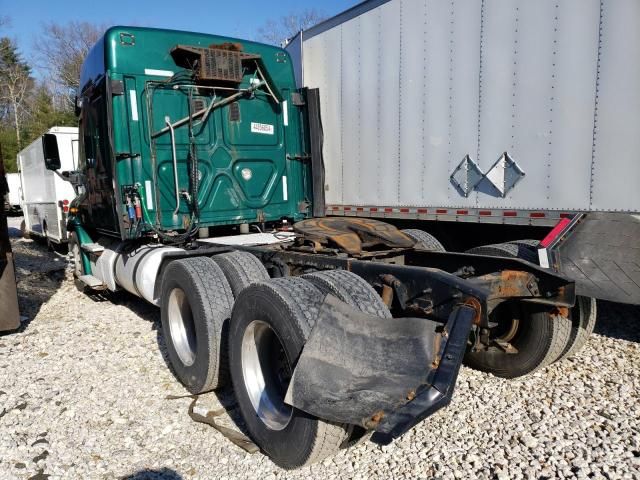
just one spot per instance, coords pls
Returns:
(200, 129)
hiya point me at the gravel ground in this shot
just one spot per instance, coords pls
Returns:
(83, 390)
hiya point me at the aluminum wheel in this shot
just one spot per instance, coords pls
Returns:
(266, 372)
(182, 327)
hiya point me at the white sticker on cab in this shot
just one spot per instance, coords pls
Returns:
(264, 128)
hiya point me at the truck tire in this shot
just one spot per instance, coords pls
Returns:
(527, 249)
(583, 316)
(75, 263)
(270, 324)
(23, 230)
(196, 306)
(351, 289)
(561, 326)
(529, 242)
(533, 339)
(429, 241)
(506, 250)
(241, 269)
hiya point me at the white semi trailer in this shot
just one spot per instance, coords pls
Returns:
(45, 194)
(488, 122)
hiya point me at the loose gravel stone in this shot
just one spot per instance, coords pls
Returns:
(84, 387)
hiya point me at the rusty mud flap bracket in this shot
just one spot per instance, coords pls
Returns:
(382, 374)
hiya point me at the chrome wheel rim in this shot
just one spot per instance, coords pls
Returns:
(182, 327)
(266, 372)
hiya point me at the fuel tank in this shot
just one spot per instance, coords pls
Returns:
(135, 270)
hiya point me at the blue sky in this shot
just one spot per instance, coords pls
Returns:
(235, 18)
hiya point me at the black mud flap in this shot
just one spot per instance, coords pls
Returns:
(602, 254)
(382, 374)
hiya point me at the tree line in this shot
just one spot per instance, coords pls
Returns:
(39, 93)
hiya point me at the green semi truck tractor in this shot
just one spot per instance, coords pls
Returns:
(200, 189)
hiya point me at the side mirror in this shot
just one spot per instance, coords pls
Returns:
(50, 150)
(77, 104)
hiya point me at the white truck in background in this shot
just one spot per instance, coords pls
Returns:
(12, 199)
(45, 194)
(500, 127)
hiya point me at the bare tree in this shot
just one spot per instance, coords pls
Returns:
(15, 82)
(278, 31)
(61, 50)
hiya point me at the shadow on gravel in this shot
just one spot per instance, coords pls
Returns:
(147, 312)
(151, 314)
(618, 320)
(162, 474)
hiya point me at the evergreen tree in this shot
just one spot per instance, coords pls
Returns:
(15, 86)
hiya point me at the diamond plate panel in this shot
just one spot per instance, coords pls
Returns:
(466, 176)
(504, 174)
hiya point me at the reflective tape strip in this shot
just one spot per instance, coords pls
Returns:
(543, 257)
(148, 194)
(555, 233)
(134, 105)
(516, 217)
(285, 113)
(285, 193)
(158, 73)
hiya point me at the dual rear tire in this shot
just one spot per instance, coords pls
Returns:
(270, 324)
(195, 313)
(263, 332)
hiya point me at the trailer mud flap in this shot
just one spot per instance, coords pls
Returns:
(381, 374)
(601, 253)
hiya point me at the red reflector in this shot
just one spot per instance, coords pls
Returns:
(347, 209)
(335, 208)
(537, 215)
(65, 202)
(509, 214)
(555, 232)
(373, 209)
(485, 213)
(441, 211)
(65, 209)
(423, 210)
(388, 210)
(404, 210)
(566, 215)
(462, 212)
(360, 209)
